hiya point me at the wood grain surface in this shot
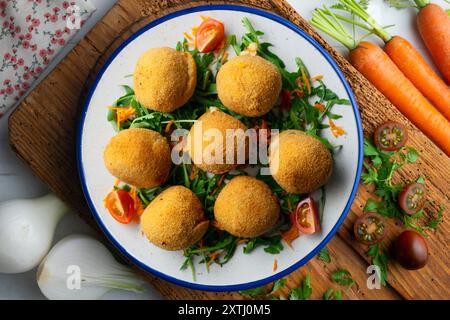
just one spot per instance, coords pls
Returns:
(43, 130)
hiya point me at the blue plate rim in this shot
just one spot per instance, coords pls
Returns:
(248, 285)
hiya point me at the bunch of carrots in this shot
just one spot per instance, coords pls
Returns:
(399, 71)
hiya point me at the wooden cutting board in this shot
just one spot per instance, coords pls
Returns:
(43, 127)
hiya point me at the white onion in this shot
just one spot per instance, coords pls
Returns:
(27, 227)
(80, 267)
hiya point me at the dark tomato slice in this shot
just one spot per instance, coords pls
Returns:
(209, 36)
(369, 228)
(306, 217)
(120, 205)
(390, 136)
(411, 250)
(412, 198)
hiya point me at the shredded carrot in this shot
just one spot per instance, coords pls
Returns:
(190, 44)
(194, 173)
(306, 81)
(204, 18)
(137, 201)
(188, 36)
(320, 107)
(225, 57)
(123, 114)
(213, 257)
(242, 241)
(116, 183)
(316, 78)
(298, 92)
(336, 130)
(275, 265)
(289, 204)
(194, 30)
(290, 235)
(169, 127)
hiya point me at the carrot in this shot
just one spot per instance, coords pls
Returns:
(416, 69)
(408, 60)
(434, 28)
(379, 69)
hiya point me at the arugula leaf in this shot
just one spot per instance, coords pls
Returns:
(272, 245)
(324, 255)
(342, 277)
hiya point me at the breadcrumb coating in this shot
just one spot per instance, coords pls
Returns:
(249, 85)
(299, 163)
(165, 79)
(139, 157)
(246, 207)
(200, 142)
(174, 220)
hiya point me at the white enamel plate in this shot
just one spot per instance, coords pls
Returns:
(244, 270)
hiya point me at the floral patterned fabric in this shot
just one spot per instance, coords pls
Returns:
(31, 33)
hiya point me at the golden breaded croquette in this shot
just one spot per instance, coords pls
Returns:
(246, 207)
(139, 157)
(165, 79)
(201, 146)
(174, 220)
(249, 85)
(298, 162)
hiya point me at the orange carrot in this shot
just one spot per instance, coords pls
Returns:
(416, 69)
(379, 69)
(434, 27)
(408, 59)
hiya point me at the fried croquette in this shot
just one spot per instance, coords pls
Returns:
(165, 79)
(174, 220)
(209, 135)
(249, 85)
(298, 162)
(139, 157)
(246, 207)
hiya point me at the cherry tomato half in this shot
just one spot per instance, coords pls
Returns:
(411, 250)
(306, 217)
(120, 205)
(209, 36)
(369, 228)
(412, 198)
(390, 136)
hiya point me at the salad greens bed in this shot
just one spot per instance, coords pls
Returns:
(310, 103)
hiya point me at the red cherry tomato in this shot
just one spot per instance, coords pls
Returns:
(120, 205)
(390, 136)
(412, 198)
(369, 228)
(306, 217)
(209, 36)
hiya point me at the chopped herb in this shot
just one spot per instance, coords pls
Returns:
(324, 255)
(280, 283)
(379, 258)
(303, 292)
(343, 277)
(254, 292)
(379, 171)
(332, 294)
